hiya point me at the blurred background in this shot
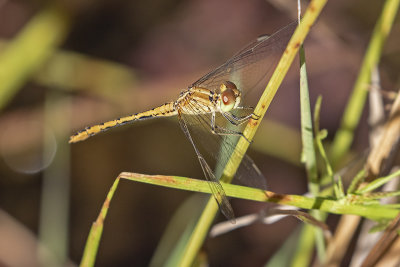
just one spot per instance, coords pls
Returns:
(65, 65)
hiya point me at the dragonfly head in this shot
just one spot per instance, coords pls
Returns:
(230, 96)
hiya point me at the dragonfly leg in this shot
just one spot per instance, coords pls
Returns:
(255, 116)
(215, 129)
(236, 120)
(250, 108)
(246, 117)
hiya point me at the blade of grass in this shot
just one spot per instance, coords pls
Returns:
(309, 158)
(211, 209)
(378, 183)
(308, 154)
(382, 195)
(352, 114)
(376, 212)
(319, 136)
(302, 256)
(93, 241)
(178, 247)
(31, 48)
(73, 71)
(324, 204)
(54, 207)
(178, 232)
(278, 140)
(356, 181)
(283, 255)
(395, 206)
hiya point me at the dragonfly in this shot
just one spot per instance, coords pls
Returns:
(212, 113)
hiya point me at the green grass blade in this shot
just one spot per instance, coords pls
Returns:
(378, 183)
(358, 179)
(302, 256)
(308, 154)
(375, 212)
(352, 114)
(93, 241)
(309, 157)
(284, 254)
(171, 245)
(380, 195)
(278, 140)
(30, 49)
(319, 136)
(179, 247)
(394, 206)
(55, 191)
(318, 203)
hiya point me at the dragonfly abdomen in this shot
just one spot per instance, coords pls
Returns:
(165, 110)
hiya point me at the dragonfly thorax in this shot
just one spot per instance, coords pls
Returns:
(230, 96)
(199, 100)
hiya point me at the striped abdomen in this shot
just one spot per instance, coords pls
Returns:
(165, 110)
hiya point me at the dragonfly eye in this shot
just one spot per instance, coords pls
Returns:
(230, 96)
(228, 100)
(228, 85)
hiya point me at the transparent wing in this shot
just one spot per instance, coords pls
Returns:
(216, 188)
(218, 149)
(246, 69)
(250, 65)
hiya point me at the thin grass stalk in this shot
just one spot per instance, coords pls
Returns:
(352, 114)
(54, 206)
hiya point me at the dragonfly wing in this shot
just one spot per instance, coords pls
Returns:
(250, 175)
(247, 69)
(251, 65)
(216, 188)
(219, 149)
(217, 191)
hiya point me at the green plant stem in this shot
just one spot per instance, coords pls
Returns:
(374, 212)
(352, 114)
(378, 183)
(54, 207)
